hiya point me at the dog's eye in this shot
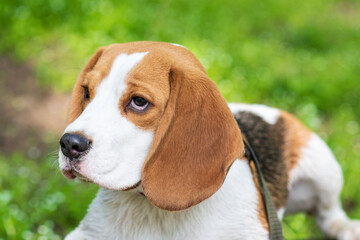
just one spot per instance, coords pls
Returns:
(139, 104)
(86, 92)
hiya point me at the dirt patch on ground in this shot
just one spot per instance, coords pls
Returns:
(31, 118)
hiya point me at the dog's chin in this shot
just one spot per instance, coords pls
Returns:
(81, 177)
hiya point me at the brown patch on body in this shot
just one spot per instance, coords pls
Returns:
(261, 204)
(278, 148)
(267, 141)
(296, 137)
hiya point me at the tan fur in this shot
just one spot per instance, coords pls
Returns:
(296, 137)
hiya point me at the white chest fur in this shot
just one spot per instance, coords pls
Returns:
(231, 213)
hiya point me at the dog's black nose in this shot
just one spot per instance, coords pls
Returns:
(74, 145)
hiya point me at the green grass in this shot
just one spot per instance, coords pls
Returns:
(301, 56)
(36, 201)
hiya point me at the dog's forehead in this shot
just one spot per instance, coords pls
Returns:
(158, 54)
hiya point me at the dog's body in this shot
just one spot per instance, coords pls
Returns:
(149, 127)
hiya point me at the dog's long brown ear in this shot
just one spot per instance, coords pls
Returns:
(194, 146)
(76, 98)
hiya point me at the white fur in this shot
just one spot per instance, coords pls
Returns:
(178, 45)
(280, 213)
(119, 147)
(315, 185)
(231, 213)
(268, 114)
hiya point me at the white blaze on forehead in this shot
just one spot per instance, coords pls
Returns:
(119, 70)
(268, 114)
(119, 147)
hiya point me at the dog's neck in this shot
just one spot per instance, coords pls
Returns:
(129, 214)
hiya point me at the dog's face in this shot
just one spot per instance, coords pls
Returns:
(111, 121)
(146, 112)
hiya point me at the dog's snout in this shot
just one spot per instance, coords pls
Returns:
(74, 145)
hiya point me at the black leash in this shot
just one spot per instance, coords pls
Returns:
(271, 213)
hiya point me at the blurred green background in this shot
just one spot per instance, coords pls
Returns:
(301, 56)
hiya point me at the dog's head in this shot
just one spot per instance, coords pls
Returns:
(147, 113)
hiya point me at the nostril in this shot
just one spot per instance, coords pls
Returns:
(62, 144)
(75, 147)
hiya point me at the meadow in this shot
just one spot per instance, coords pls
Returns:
(301, 56)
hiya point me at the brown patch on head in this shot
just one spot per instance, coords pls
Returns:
(296, 137)
(196, 138)
(261, 204)
(148, 79)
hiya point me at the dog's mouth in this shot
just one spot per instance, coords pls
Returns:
(71, 172)
(77, 169)
(68, 173)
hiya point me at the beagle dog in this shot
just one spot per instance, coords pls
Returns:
(149, 127)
